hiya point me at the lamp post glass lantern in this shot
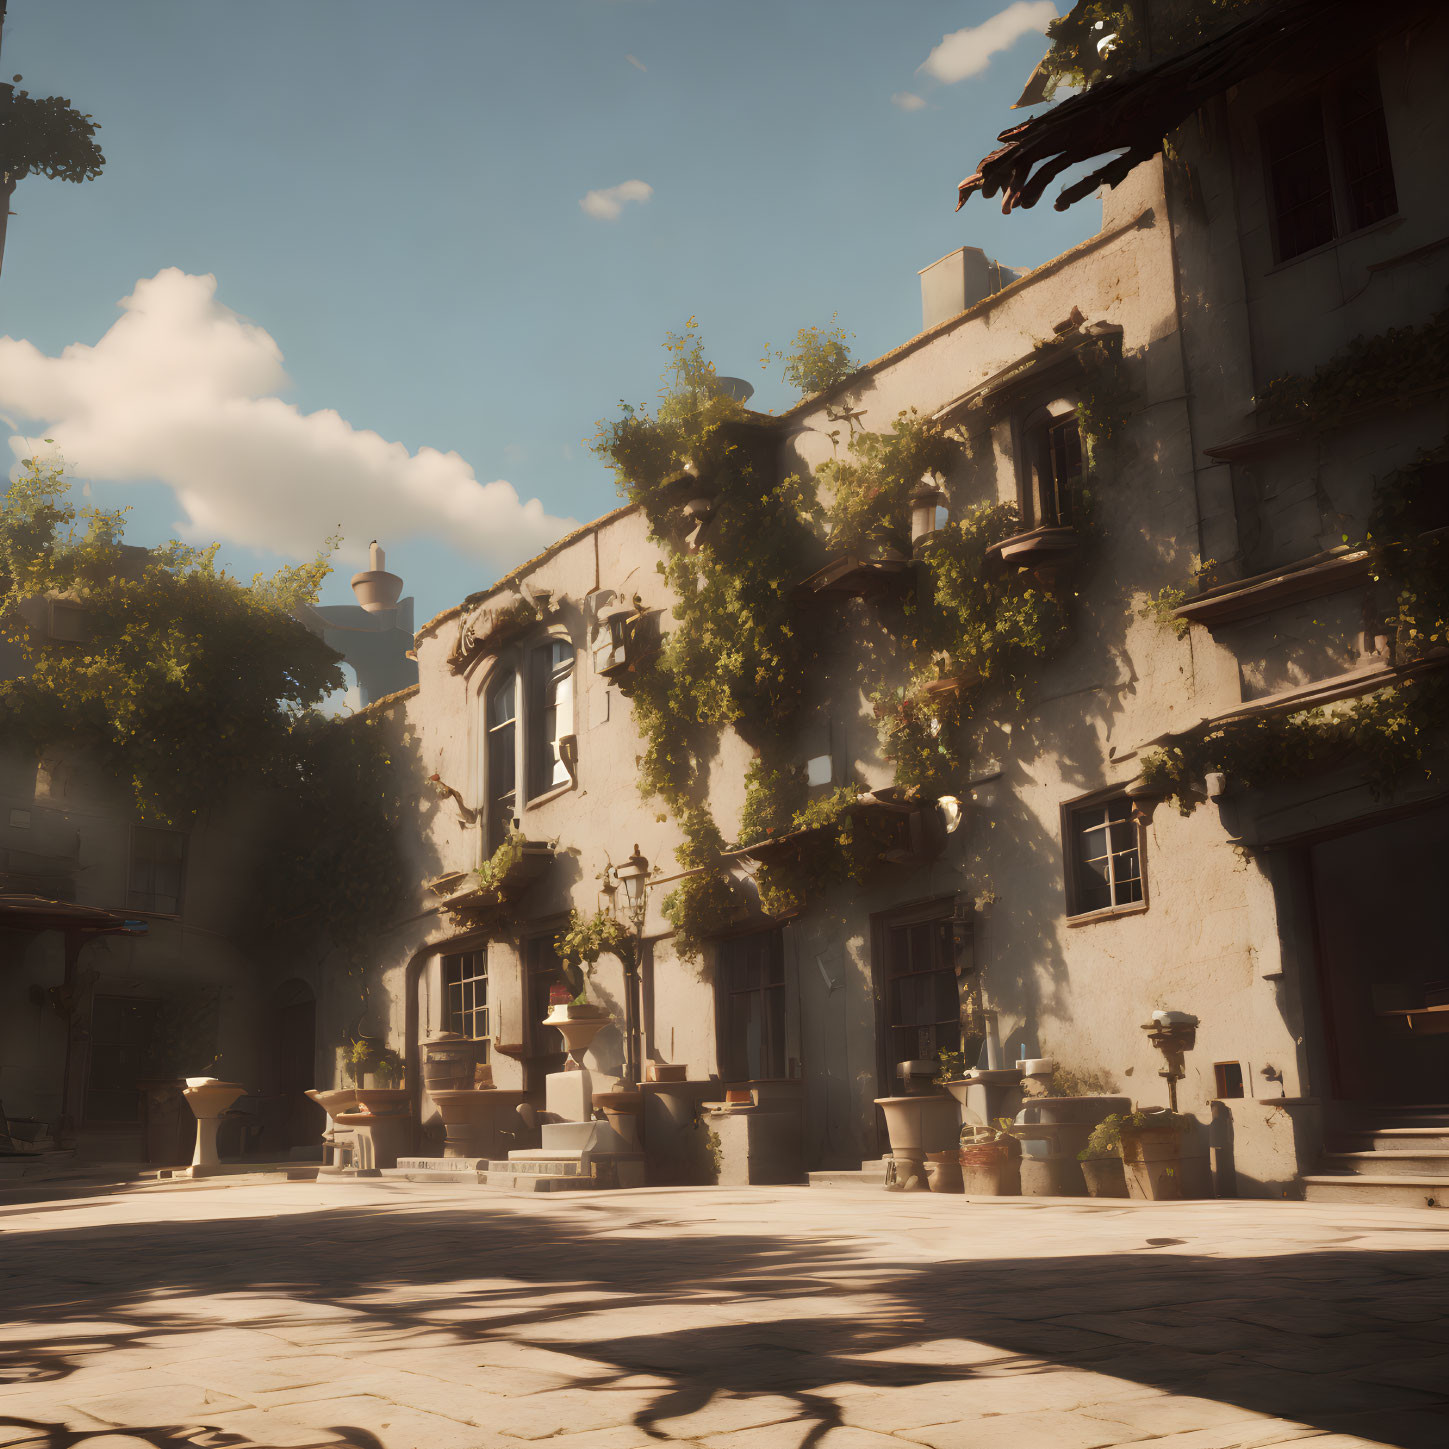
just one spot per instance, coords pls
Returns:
(926, 498)
(634, 875)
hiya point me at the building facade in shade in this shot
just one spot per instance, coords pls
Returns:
(1210, 563)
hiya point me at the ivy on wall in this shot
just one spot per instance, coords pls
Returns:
(741, 650)
(1397, 733)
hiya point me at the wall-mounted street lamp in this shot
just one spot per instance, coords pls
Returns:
(926, 498)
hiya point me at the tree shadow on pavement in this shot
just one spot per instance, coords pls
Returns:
(1339, 1339)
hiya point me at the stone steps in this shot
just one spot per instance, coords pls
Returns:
(1390, 1153)
(1384, 1163)
(1384, 1191)
(869, 1175)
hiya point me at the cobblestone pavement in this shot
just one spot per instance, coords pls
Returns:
(393, 1316)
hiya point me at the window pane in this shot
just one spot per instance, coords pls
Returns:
(752, 1010)
(1298, 176)
(1363, 142)
(502, 705)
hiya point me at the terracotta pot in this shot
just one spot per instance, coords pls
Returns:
(990, 1169)
(943, 1171)
(1105, 1176)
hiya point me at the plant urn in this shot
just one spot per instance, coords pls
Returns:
(1105, 1176)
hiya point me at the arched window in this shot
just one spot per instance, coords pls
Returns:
(500, 713)
(550, 714)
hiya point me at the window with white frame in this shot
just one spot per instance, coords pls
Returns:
(1104, 847)
(465, 995)
(551, 714)
(500, 752)
(1053, 474)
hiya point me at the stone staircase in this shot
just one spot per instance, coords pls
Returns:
(870, 1175)
(1389, 1155)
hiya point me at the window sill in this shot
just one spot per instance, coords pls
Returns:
(1389, 223)
(1107, 913)
(549, 795)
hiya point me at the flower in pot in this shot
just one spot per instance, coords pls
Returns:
(1156, 1163)
(1101, 1159)
(990, 1158)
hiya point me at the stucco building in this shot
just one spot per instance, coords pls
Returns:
(1300, 207)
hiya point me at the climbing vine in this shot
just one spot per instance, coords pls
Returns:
(1395, 732)
(1386, 369)
(740, 650)
(586, 938)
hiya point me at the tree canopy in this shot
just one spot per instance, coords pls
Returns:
(170, 674)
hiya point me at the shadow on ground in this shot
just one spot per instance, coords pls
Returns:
(1344, 1340)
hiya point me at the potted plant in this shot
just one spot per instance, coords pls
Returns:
(358, 1056)
(387, 1068)
(990, 1158)
(1101, 1159)
(1156, 1165)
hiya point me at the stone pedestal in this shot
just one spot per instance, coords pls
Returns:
(754, 1145)
(208, 1099)
(479, 1122)
(674, 1133)
(377, 1139)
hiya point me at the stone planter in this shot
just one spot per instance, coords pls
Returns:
(990, 1169)
(208, 1099)
(578, 1025)
(382, 1101)
(1158, 1170)
(917, 1125)
(1105, 1177)
(986, 1094)
(478, 1122)
(943, 1171)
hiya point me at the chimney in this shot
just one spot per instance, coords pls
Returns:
(958, 281)
(375, 589)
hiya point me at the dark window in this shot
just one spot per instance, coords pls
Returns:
(465, 995)
(1229, 1077)
(923, 995)
(552, 714)
(1328, 164)
(751, 974)
(124, 1035)
(545, 1045)
(1299, 179)
(158, 866)
(1363, 143)
(1106, 856)
(1058, 446)
(500, 714)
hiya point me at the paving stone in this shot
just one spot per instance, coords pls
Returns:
(1053, 1430)
(792, 1434)
(163, 1403)
(396, 1426)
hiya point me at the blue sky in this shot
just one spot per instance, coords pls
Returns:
(392, 194)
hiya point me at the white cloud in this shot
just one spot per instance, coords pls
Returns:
(636, 62)
(968, 52)
(908, 101)
(183, 390)
(607, 203)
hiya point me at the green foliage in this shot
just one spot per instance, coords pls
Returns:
(818, 360)
(1106, 1138)
(1069, 1083)
(999, 1132)
(189, 681)
(1104, 398)
(1388, 369)
(953, 1067)
(46, 136)
(870, 490)
(388, 1067)
(921, 734)
(585, 939)
(494, 871)
(707, 899)
(772, 798)
(1160, 607)
(1074, 59)
(1394, 732)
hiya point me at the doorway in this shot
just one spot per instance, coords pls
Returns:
(293, 1119)
(1381, 918)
